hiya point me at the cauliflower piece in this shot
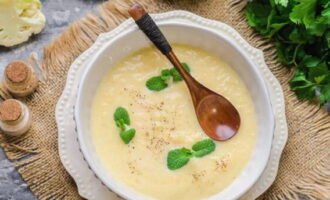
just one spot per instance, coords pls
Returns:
(19, 19)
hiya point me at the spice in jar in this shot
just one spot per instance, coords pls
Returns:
(20, 79)
(15, 117)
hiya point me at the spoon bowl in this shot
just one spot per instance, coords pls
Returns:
(217, 116)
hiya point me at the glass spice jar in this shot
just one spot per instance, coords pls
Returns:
(20, 79)
(15, 117)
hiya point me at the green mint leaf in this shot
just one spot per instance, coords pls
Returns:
(120, 123)
(203, 147)
(121, 117)
(165, 77)
(127, 135)
(156, 83)
(176, 75)
(177, 158)
(186, 67)
(166, 72)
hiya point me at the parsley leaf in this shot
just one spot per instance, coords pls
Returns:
(156, 83)
(304, 12)
(304, 88)
(309, 61)
(257, 14)
(318, 73)
(177, 158)
(327, 37)
(318, 26)
(127, 135)
(282, 2)
(325, 94)
(121, 117)
(203, 147)
(300, 30)
(326, 13)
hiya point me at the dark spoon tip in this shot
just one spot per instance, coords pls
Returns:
(136, 11)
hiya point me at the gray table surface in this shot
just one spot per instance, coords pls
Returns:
(59, 14)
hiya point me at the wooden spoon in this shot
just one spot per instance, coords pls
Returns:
(217, 116)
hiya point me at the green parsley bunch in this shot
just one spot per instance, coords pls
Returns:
(300, 30)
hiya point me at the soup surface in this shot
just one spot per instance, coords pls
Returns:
(166, 120)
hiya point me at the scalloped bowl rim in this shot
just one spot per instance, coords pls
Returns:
(160, 19)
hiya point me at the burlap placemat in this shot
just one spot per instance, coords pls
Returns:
(304, 168)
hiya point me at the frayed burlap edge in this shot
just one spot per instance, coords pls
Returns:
(304, 168)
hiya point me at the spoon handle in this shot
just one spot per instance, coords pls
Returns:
(151, 30)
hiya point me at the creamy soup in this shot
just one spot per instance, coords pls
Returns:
(166, 120)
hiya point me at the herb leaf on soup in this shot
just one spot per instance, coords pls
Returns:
(165, 74)
(121, 117)
(122, 121)
(156, 83)
(177, 158)
(176, 75)
(203, 147)
(127, 135)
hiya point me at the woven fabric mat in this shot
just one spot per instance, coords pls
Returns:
(305, 163)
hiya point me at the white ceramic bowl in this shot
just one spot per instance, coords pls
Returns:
(126, 39)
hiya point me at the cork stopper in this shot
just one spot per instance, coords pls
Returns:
(10, 110)
(17, 71)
